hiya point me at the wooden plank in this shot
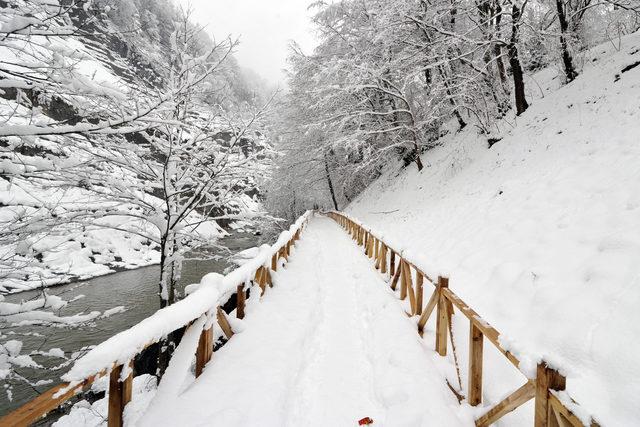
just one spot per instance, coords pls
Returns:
(406, 276)
(442, 319)
(119, 395)
(258, 278)
(419, 292)
(487, 330)
(476, 341)
(224, 323)
(511, 402)
(394, 280)
(431, 304)
(555, 419)
(565, 413)
(403, 282)
(35, 409)
(453, 342)
(205, 350)
(383, 259)
(379, 256)
(274, 262)
(241, 297)
(546, 379)
(376, 252)
(267, 277)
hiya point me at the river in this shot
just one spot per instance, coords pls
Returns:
(136, 290)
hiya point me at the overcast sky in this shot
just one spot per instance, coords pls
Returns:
(264, 27)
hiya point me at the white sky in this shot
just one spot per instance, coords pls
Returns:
(265, 28)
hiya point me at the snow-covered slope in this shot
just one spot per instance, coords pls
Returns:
(541, 233)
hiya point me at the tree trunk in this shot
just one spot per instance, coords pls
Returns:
(502, 72)
(329, 182)
(417, 159)
(453, 103)
(567, 60)
(514, 61)
(497, 49)
(493, 87)
(168, 279)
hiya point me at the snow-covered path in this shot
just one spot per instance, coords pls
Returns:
(328, 345)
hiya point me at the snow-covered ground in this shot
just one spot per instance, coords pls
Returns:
(317, 351)
(541, 233)
(328, 345)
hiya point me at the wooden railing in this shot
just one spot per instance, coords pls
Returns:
(215, 298)
(544, 387)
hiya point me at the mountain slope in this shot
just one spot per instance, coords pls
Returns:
(541, 233)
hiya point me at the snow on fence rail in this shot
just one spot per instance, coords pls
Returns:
(545, 384)
(197, 311)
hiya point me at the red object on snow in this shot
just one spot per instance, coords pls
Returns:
(365, 421)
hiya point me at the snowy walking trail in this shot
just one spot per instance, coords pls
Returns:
(328, 345)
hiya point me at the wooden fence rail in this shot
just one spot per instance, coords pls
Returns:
(549, 409)
(120, 386)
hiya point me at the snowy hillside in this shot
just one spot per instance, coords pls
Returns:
(540, 234)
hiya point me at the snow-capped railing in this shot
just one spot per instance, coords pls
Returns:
(553, 407)
(214, 298)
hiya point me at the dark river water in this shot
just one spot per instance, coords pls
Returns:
(136, 290)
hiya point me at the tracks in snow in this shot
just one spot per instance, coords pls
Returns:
(328, 345)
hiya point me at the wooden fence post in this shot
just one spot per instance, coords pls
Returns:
(119, 395)
(476, 341)
(392, 264)
(383, 259)
(376, 252)
(428, 309)
(408, 282)
(205, 350)
(546, 379)
(442, 318)
(403, 280)
(257, 278)
(224, 323)
(274, 262)
(240, 298)
(267, 277)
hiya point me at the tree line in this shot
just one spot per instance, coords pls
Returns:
(389, 78)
